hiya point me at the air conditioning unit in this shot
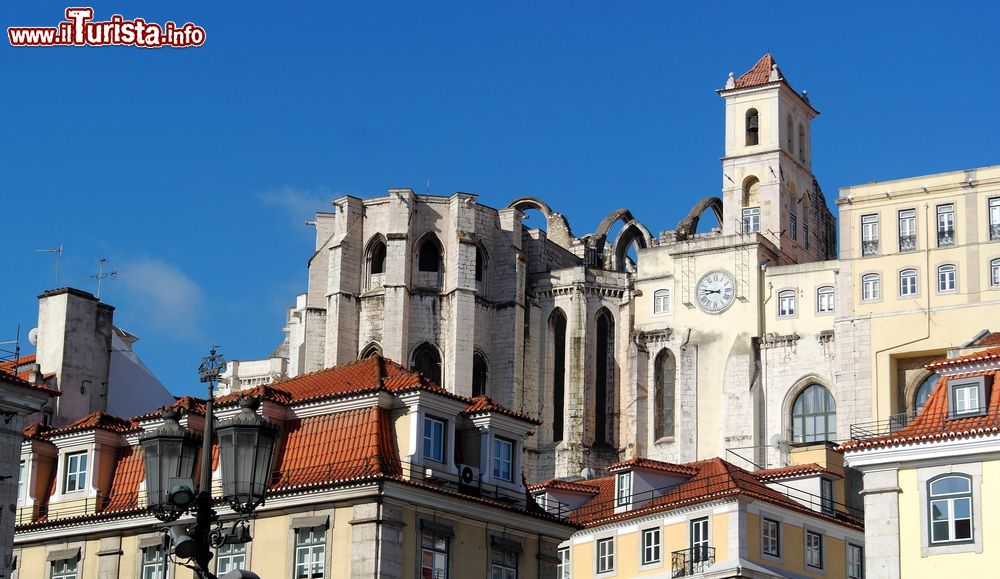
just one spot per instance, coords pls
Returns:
(468, 478)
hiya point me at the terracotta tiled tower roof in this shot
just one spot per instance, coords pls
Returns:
(759, 74)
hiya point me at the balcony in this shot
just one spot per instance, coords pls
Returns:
(994, 231)
(926, 424)
(869, 247)
(946, 237)
(907, 243)
(691, 562)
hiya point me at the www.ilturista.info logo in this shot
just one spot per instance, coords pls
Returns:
(79, 29)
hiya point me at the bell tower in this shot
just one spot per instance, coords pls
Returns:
(767, 181)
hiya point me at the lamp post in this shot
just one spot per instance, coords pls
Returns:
(246, 445)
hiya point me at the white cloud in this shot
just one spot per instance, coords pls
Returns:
(299, 203)
(163, 296)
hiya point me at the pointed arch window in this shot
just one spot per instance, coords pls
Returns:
(480, 373)
(427, 361)
(802, 142)
(481, 262)
(375, 263)
(372, 349)
(814, 415)
(753, 127)
(429, 256)
(665, 378)
(557, 333)
(605, 378)
(789, 134)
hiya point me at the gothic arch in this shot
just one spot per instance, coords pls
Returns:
(623, 215)
(372, 349)
(689, 225)
(664, 394)
(556, 352)
(426, 359)
(523, 204)
(480, 373)
(605, 373)
(792, 395)
(376, 252)
(633, 232)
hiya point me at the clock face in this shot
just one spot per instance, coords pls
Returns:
(716, 291)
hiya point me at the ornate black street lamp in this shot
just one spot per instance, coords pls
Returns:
(246, 445)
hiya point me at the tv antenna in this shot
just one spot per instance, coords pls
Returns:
(102, 275)
(58, 251)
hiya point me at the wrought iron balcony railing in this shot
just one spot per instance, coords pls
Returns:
(907, 243)
(946, 237)
(927, 423)
(690, 562)
(869, 247)
(994, 230)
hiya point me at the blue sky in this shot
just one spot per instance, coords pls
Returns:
(192, 171)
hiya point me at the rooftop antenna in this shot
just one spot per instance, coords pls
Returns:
(11, 354)
(58, 251)
(102, 275)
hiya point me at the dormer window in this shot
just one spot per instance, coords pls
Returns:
(433, 439)
(76, 472)
(623, 489)
(503, 459)
(753, 127)
(967, 397)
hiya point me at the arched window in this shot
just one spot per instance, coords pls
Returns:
(946, 278)
(995, 272)
(480, 373)
(429, 255)
(481, 262)
(786, 303)
(661, 301)
(814, 415)
(605, 378)
(375, 262)
(802, 143)
(372, 349)
(789, 136)
(870, 287)
(908, 282)
(753, 127)
(557, 334)
(949, 499)
(824, 299)
(924, 392)
(664, 376)
(427, 361)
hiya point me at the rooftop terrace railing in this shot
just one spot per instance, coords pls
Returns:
(923, 424)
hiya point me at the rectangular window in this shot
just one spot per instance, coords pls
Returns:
(651, 546)
(564, 569)
(434, 546)
(967, 396)
(908, 282)
(64, 569)
(661, 301)
(152, 563)
(503, 455)
(946, 224)
(76, 472)
(826, 495)
(908, 230)
(623, 489)
(869, 235)
(786, 303)
(950, 502)
(504, 564)
(699, 540)
(995, 218)
(946, 278)
(814, 550)
(855, 561)
(230, 557)
(310, 553)
(20, 482)
(793, 226)
(605, 555)
(870, 287)
(770, 537)
(751, 220)
(433, 439)
(824, 299)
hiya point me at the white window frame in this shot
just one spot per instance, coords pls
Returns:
(503, 456)
(786, 303)
(908, 282)
(564, 568)
(151, 563)
(793, 225)
(605, 552)
(435, 536)
(995, 272)
(661, 301)
(946, 223)
(311, 542)
(871, 287)
(76, 471)
(826, 495)
(503, 563)
(432, 444)
(994, 218)
(947, 277)
(967, 397)
(229, 557)
(20, 483)
(623, 489)
(869, 233)
(826, 300)
(947, 502)
(651, 546)
(751, 219)
(64, 568)
(814, 549)
(770, 537)
(855, 561)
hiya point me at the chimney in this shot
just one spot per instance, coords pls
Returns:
(74, 343)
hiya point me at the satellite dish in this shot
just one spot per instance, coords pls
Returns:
(33, 336)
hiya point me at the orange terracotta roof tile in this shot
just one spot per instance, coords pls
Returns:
(484, 405)
(982, 356)
(350, 445)
(128, 476)
(96, 420)
(23, 383)
(641, 462)
(758, 74)
(36, 430)
(793, 471)
(991, 339)
(583, 486)
(936, 422)
(16, 365)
